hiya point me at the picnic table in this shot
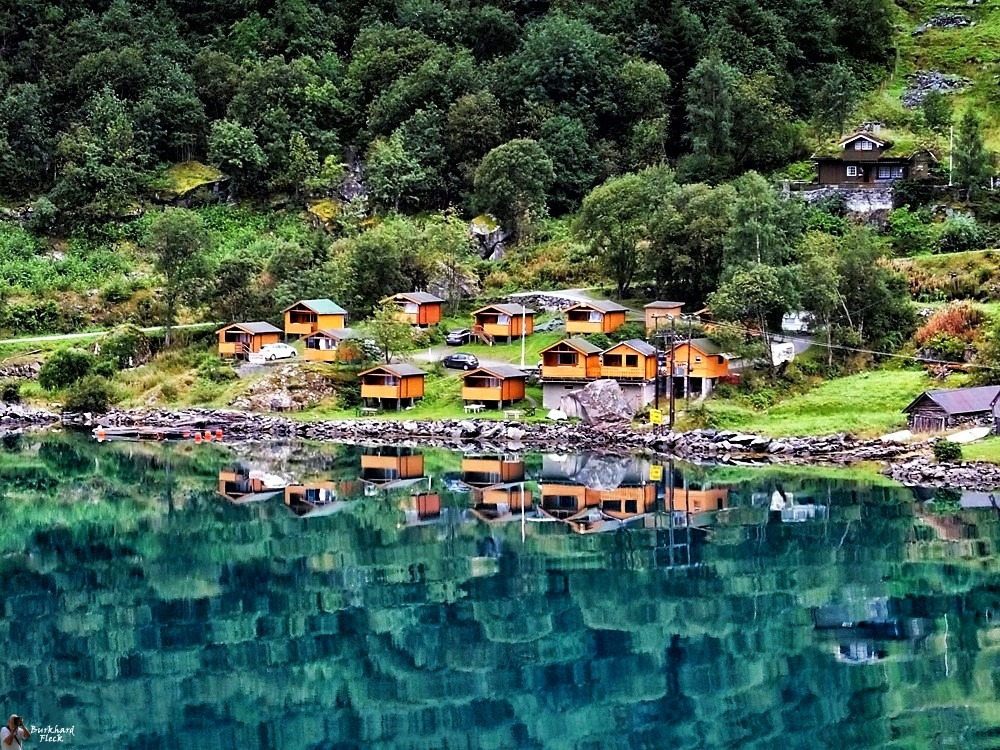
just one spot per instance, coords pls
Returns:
(474, 408)
(512, 414)
(366, 411)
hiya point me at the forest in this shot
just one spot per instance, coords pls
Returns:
(96, 98)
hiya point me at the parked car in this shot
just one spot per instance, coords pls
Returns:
(272, 352)
(461, 361)
(458, 337)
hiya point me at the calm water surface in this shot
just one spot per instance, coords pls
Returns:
(302, 596)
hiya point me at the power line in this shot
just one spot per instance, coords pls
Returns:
(841, 347)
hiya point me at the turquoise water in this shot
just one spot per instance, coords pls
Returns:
(161, 596)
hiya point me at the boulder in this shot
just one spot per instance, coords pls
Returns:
(600, 403)
(556, 415)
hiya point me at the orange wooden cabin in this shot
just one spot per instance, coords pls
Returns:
(571, 359)
(394, 385)
(630, 360)
(699, 364)
(418, 308)
(503, 321)
(496, 384)
(659, 313)
(596, 316)
(240, 340)
(390, 466)
(310, 315)
(333, 345)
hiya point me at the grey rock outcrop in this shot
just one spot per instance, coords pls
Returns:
(943, 21)
(924, 81)
(600, 403)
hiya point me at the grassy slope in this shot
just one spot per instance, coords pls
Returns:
(865, 404)
(972, 51)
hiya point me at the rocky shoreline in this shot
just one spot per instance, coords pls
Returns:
(909, 464)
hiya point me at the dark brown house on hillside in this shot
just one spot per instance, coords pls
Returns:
(933, 411)
(867, 160)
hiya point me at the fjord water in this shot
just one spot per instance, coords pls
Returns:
(161, 596)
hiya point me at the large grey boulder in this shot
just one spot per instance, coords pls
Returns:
(600, 403)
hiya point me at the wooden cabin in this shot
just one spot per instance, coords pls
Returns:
(484, 471)
(392, 386)
(659, 313)
(418, 308)
(867, 159)
(496, 384)
(502, 321)
(310, 315)
(333, 345)
(391, 467)
(699, 364)
(629, 360)
(565, 500)
(571, 359)
(628, 501)
(597, 316)
(240, 340)
(241, 486)
(933, 411)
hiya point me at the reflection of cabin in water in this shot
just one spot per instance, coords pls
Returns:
(483, 471)
(619, 487)
(497, 483)
(421, 508)
(240, 485)
(318, 498)
(390, 468)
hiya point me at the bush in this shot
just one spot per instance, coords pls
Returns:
(10, 391)
(960, 233)
(126, 347)
(91, 393)
(959, 320)
(909, 231)
(43, 216)
(943, 346)
(215, 370)
(633, 331)
(946, 451)
(115, 292)
(64, 367)
(168, 392)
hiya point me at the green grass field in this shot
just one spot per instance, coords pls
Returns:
(987, 450)
(868, 404)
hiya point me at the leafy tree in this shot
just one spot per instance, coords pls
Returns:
(909, 230)
(303, 163)
(616, 217)
(764, 227)
(26, 138)
(92, 393)
(64, 367)
(178, 240)
(233, 148)
(573, 160)
(710, 117)
(392, 335)
(512, 182)
(835, 98)
(937, 111)
(392, 173)
(960, 233)
(819, 283)
(973, 161)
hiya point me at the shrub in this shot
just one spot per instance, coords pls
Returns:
(126, 347)
(943, 346)
(960, 233)
(909, 231)
(115, 292)
(10, 391)
(959, 320)
(215, 370)
(43, 216)
(946, 451)
(64, 367)
(91, 393)
(633, 331)
(168, 392)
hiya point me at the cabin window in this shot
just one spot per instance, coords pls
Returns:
(615, 505)
(631, 506)
(852, 171)
(863, 145)
(890, 173)
(410, 308)
(503, 320)
(566, 359)
(596, 317)
(897, 173)
(236, 336)
(612, 360)
(697, 359)
(631, 360)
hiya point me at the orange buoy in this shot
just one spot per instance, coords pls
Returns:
(197, 437)
(187, 434)
(101, 434)
(208, 436)
(218, 434)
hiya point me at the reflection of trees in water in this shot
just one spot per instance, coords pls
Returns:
(355, 627)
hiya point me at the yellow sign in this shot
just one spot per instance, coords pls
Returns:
(655, 473)
(656, 416)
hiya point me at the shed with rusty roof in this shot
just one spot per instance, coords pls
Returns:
(933, 411)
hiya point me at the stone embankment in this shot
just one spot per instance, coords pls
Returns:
(923, 472)
(16, 416)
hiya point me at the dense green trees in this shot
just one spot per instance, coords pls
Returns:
(95, 98)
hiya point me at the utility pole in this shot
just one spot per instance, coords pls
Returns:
(687, 371)
(522, 334)
(670, 420)
(951, 153)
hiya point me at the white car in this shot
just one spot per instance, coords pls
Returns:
(272, 352)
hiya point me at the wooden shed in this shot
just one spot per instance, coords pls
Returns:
(629, 360)
(394, 386)
(502, 321)
(240, 340)
(310, 315)
(933, 411)
(659, 313)
(699, 363)
(333, 345)
(571, 359)
(596, 316)
(495, 384)
(418, 308)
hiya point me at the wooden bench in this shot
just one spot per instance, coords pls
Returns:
(474, 408)
(513, 414)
